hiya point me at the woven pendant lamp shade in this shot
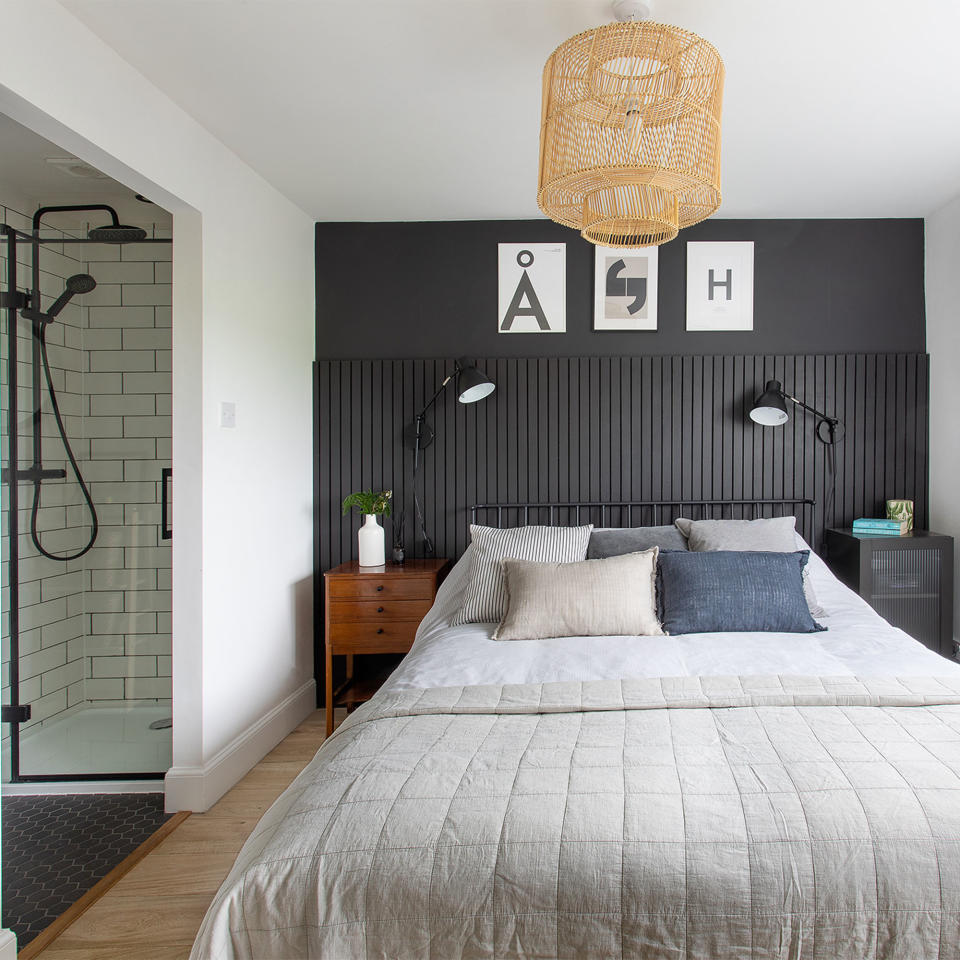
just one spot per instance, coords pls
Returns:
(630, 134)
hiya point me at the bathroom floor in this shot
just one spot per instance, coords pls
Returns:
(55, 848)
(97, 739)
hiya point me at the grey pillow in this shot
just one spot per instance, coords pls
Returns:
(485, 596)
(733, 591)
(612, 597)
(772, 534)
(614, 543)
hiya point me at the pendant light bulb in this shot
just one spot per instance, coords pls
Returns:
(633, 127)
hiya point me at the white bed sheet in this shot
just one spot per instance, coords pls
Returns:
(857, 642)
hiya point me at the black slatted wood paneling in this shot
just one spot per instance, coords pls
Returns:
(617, 429)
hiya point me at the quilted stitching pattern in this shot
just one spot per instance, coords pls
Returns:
(753, 817)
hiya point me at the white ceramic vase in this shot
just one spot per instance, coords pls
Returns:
(370, 539)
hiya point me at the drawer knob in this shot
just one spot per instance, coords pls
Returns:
(379, 609)
(380, 587)
(380, 630)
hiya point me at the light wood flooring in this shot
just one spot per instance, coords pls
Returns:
(155, 910)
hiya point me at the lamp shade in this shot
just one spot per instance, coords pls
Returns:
(472, 385)
(630, 133)
(769, 409)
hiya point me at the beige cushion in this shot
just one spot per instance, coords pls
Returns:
(612, 597)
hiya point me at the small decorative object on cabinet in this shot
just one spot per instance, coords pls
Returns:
(373, 611)
(908, 580)
(370, 535)
(901, 510)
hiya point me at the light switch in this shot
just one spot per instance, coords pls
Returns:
(228, 414)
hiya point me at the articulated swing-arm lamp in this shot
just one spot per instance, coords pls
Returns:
(770, 410)
(472, 385)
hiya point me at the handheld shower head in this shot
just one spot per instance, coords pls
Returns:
(117, 233)
(78, 283)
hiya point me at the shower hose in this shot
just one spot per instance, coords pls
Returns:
(41, 334)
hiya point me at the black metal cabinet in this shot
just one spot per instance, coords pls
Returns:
(908, 580)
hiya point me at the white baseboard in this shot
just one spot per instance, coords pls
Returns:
(199, 788)
(81, 786)
(8, 945)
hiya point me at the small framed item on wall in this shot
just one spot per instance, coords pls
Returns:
(532, 288)
(720, 286)
(625, 289)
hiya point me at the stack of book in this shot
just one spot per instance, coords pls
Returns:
(881, 528)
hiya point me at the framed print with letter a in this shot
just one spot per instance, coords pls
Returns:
(625, 289)
(720, 286)
(532, 287)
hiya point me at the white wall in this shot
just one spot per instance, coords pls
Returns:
(243, 332)
(943, 344)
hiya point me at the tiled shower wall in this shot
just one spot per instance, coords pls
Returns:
(52, 664)
(127, 386)
(97, 628)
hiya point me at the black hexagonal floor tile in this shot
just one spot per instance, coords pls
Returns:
(56, 848)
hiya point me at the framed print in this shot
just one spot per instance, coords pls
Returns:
(532, 288)
(625, 288)
(720, 286)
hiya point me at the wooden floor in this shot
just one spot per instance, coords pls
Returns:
(154, 912)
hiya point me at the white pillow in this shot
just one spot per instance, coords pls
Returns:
(610, 597)
(485, 598)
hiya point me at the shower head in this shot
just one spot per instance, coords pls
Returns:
(117, 233)
(78, 283)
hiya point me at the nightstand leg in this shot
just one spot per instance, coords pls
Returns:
(349, 666)
(328, 698)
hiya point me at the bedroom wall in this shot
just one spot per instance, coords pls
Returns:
(430, 289)
(242, 331)
(943, 336)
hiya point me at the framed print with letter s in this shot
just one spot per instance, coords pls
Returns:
(625, 289)
(720, 286)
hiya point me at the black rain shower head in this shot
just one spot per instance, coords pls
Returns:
(117, 233)
(78, 283)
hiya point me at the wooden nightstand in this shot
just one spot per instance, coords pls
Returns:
(374, 610)
(908, 580)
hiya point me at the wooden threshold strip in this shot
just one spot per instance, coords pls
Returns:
(74, 912)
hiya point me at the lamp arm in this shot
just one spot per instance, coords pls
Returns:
(433, 399)
(833, 421)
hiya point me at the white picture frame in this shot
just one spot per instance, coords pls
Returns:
(625, 289)
(532, 288)
(720, 285)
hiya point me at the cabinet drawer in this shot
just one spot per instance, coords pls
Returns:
(364, 637)
(387, 588)
(348, 610)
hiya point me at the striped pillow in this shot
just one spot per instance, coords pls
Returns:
(485, 598)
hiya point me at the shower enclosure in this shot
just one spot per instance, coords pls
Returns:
(85, 409)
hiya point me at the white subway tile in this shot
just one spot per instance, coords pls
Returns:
(121, 317)
(116, 448)
(99, 559)
(61, 677)
(163, 317)
(142, 294)
(143, 470)
(165, 666)
(164, 404)
(124, 579)
(103, 338)
(67, 628)
(142, 513)
(143, 688)
(102, 471)
(146, 643)
(165, 579)
(104, 689)
(147, 426)
(148, 251)
(34, 664)
(148, 557)
(163, 272)
(104, 645)
(104, 667)
(122, 360)
(120, 271)
(99, 383)
(42, 709)
(53, 587)
(164, 360)
(103, 295)
(146, 383)
(97, 427)
(138, 339)
(103, 601)
(41, 614)
(124, 623)
(136, 600)
(137, 405)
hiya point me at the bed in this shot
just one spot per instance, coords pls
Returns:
(721, 796)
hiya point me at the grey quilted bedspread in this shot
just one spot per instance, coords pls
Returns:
(717, 818)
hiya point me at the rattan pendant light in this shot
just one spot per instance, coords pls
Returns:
(630, 133)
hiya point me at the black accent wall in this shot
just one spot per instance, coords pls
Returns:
(410, 290)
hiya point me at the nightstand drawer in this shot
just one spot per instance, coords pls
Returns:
(345, 611)
(362, 637)
(381, 588)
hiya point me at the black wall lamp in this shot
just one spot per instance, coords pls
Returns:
(770, 410)
(472, 385)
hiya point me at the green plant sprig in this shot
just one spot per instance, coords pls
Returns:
(369, 501)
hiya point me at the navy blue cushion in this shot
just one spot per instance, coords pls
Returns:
(733, 591)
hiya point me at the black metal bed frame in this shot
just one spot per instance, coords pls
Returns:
(706, 509)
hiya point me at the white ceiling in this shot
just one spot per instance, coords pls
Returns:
(29, 181)
(430, 109)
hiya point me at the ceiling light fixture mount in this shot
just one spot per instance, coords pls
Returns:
(630, 130)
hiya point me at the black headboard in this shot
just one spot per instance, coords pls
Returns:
(650, 430)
